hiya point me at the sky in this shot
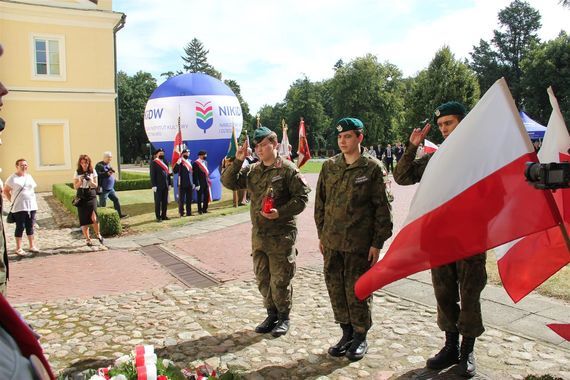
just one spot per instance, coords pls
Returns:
(266, 45)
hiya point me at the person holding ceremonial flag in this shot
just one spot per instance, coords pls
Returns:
(202, 181)
(185, 182)
(161, 180)
(457, 286)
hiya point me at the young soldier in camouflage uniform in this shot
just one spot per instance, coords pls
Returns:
(273, 233)
(353, 218)
(459, 282)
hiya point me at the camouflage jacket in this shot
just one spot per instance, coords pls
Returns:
(290, 191)
(409, 170)
(352, 211)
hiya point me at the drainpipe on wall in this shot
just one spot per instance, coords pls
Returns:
(116, 28)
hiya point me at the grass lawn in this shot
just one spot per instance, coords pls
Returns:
(139, 204)
(556, 286)
(312, 167)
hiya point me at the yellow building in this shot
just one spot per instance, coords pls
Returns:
(59, 67)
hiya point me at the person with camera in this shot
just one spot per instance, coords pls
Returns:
(457, 286)
(106, 178)
(19, 189)
(161, 181)
(85, 182)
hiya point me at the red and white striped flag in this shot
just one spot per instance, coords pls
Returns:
(429, 147)
(178, 144)
(303, 150)
(284, 146)
(526, 263)
(473, 195)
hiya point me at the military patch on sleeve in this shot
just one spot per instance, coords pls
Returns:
(276, 178)
(360, 179)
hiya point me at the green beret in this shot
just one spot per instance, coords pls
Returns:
(260, 133)
(348, 124)
(449, 108)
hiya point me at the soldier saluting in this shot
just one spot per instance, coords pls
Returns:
(457, 286)
(273, 232)
(354, 218)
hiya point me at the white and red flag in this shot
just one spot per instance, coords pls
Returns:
(284, 146)
(473, 195)
(178, 144)
(429, 147)
(303, 150)
(526, 263)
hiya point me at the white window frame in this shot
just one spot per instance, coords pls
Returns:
(66, 145)
(62, 67)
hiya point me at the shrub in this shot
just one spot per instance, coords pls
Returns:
(109, 220)
(133, 184)
(127, 176)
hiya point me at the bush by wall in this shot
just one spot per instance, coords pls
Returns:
(109, 220)
(127, 176)
(133, 184)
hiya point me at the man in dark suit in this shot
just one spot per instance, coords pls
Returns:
(202, 181)
(161, 180)
(185, 183)
(389, 158)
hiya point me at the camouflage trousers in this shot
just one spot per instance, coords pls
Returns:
(274, 267)
(458, 288)
(341, 270)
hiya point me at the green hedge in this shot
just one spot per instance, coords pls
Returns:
(109, 220)
(133, 184)
(127, 176)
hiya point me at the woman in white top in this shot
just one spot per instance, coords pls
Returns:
(20, 190)
(85, 182)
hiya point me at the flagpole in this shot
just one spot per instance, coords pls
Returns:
(258, 121)
(558, 217)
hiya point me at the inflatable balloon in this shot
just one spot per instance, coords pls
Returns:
(208, 111)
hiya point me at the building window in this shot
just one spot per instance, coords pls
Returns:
(52, 144)
(49, 57)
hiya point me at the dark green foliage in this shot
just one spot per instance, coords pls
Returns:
(133, 184)
(134, 92)
(548, 64)
(196, 59)
(127, 176)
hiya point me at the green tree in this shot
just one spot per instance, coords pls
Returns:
(196, 58)
(444, 80)
(304, 100)
(133, 93)
(370, 91)
(548, 64)
(519, 23)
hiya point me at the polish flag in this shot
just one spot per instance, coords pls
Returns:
(303, 149)
(526, 263)
(429, 147)
(562, 329)
(178, 144)
(473, 195)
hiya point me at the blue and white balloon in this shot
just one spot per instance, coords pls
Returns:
(208, 111)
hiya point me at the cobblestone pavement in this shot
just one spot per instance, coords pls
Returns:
(56, 231)
(216, 325)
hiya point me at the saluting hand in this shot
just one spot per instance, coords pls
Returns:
(418, 135)
(241, 154)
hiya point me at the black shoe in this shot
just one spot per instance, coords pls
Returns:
(268, 324)
(448, 355)
(165, 218)
(466, 366)
(123, 216)
(358, 347)
(282, 326)
(344, 343)
(158, 220)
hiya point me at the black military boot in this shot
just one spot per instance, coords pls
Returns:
(358, 347)
(466, 366)
(269, 323)
(448, 355)
(282, 325)
(340, 348)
